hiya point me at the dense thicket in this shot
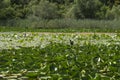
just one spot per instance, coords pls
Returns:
(35, 12)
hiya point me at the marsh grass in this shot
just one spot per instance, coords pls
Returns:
(61, 25)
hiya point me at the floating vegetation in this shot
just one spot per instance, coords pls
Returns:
(30, 56)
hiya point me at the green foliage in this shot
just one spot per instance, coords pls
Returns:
(60, 25)
(85, 8)
(51, 9)
(49, 13)
(117, 2)
(114, 13)
(9, 10)
(19, 2)
(91, 57)
(45, 10)
(6, 12)
(109, 3)
(101, 14)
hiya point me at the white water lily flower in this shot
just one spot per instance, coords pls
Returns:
(13, 60)
(110, 63)
(99, 59)
(15, 36)
(56, 69)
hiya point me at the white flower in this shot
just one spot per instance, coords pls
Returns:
(99, 59)
(15, 36)
(56, 69)
(13, 59)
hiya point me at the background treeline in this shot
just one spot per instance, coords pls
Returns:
(57, 13)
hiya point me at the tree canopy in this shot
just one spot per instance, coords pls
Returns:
(52, 9)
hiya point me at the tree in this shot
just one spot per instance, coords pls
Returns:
(45, 10)
(109, 3)
(6, 11)
(22, 3)
(113, 13)
(21, 7)
(117, 2)
(85, 8)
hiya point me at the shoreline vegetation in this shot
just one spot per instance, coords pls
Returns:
(61, 25)
(50, 15)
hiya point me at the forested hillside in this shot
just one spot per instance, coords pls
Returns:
(15, 12)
